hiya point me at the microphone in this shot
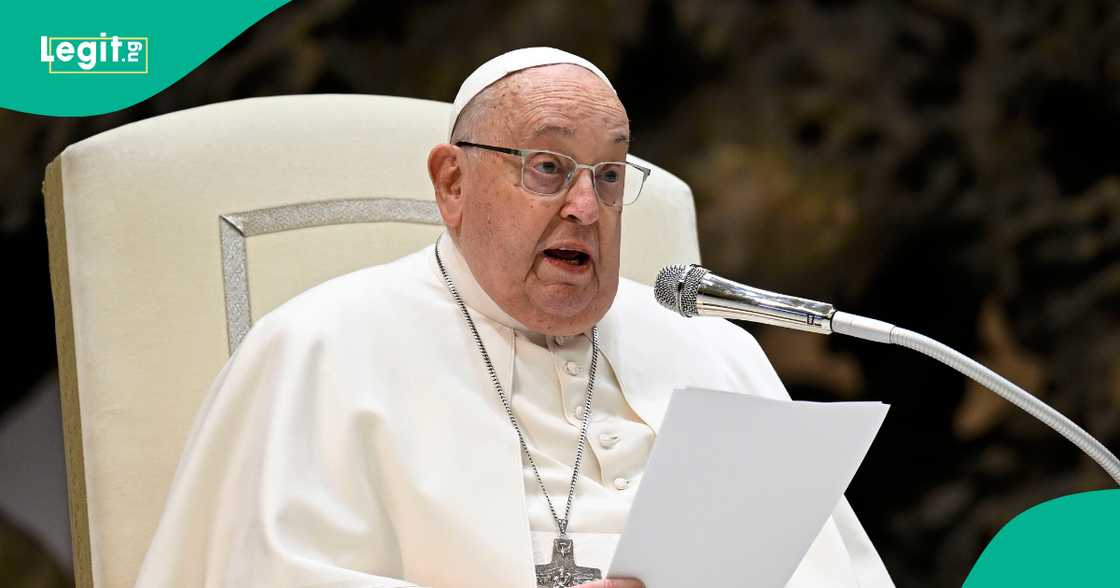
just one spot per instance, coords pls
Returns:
(694, 291)
(691, 290)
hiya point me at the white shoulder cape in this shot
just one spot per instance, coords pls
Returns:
(353, 439)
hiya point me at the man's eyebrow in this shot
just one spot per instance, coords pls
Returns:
(554, 130)
(569, 131)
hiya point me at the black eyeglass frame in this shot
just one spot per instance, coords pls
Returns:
(590, 167)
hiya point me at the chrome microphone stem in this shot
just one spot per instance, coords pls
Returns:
(694, 291)
(716, 296)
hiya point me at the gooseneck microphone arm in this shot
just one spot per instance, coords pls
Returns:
(691, 290)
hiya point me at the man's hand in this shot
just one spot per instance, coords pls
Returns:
(613, 583)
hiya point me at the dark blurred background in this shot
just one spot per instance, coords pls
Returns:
(945, 165)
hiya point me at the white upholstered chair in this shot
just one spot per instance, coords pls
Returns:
(169, 236)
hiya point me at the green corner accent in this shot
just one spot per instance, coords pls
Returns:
(175, 38)
(1069, 541)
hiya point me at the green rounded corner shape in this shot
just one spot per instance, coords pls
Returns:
(173, 40)
(1069, 541)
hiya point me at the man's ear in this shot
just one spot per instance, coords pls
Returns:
(445, 168)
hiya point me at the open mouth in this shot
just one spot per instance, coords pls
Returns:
(569, 256)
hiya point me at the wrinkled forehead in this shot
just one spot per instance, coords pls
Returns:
(556, 100)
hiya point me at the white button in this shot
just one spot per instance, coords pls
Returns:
(608, 440)
(579, 412)
(572, 368)
(621, 483)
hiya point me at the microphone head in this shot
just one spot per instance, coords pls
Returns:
(665, 288)
(676, 288)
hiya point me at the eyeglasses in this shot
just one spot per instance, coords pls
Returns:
(547, 173)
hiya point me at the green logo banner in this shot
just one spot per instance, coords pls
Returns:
(1069, 541)
(69, 58)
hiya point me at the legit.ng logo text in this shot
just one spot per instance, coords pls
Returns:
(94, 55)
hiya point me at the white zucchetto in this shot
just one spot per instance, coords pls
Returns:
(507, 63)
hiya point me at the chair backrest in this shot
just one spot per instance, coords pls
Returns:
(157, 230)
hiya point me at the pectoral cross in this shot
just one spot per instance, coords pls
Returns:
(562, 571)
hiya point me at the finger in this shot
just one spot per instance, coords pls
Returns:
(613, 583)
(622, 583)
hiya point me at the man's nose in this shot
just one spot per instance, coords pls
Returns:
(580, 203)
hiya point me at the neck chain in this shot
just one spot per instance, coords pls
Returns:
(562, 571)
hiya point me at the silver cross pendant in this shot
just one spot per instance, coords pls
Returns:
(562, 571)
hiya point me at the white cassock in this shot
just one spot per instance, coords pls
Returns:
(354, 439)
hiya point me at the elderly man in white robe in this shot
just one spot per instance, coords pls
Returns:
(477, 414)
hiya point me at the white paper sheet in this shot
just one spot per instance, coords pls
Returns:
(738, 486)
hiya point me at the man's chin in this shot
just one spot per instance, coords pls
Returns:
(563, 300)
(565, 315)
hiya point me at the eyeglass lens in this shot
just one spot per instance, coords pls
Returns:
(615, 183)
